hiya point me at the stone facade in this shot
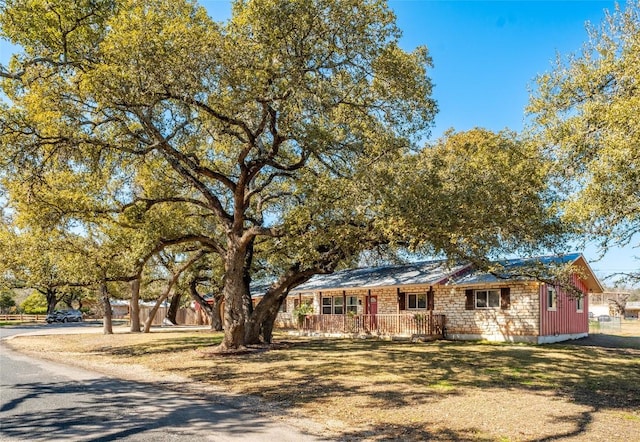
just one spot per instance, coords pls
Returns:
(519, 322)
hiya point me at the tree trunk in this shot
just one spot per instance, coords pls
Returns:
(52, 300)
(267, 328)
(134, 306)
(264, 317)
(165, 295)
(107, 323)
(235, 291)
(260, 325)
(156, 307)
(214, 314)
(213, 309)
(235, 313)
(174, 305)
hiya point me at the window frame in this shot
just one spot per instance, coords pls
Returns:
(324, 305)
(336, 305)
(580, 304)
(552, 299)
(352, 304)
(487, 293)
(419, 299)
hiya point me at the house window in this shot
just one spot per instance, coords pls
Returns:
(333, 305)
(416, 301)
(487, 298)
(338, 305)
(327, 304)
(283, 307)
(552, 298)
(580, 304)
(352, 304)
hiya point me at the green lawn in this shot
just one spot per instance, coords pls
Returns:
(380, 390)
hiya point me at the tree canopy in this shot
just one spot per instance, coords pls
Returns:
(477, 195)
(585, 115)
(282, 141)
(128, 105)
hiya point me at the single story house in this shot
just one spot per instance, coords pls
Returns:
(456, 302)
(119, 308)
(632, 310)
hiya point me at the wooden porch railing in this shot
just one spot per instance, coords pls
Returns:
(403, 324)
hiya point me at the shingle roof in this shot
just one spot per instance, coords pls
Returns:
(514, 266)
(425, 272)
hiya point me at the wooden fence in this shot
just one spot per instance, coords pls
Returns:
(23, 318)
(394, 325)
(185, 316)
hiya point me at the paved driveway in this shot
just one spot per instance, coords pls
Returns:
(45, 401)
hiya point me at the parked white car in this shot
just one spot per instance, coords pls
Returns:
(64, 316)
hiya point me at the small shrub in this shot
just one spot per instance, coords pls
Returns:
(301, 311)
(35, 304)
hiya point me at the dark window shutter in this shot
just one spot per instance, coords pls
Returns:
(470, 302)
(430, 300)
(402, 301)
(505, 298)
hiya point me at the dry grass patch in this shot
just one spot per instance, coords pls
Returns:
(378, 390)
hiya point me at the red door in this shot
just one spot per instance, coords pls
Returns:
(372, 306)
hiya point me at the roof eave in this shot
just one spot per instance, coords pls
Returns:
(591, 281)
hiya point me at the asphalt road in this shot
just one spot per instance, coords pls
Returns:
(44, 401)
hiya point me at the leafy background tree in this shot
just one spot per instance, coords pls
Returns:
(35, 304)
(585, 117)
(7, 301)
(474, 196)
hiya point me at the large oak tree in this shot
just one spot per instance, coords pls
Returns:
(241, 117)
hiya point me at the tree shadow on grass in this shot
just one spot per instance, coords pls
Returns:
(160, 346)
(411, 433)
(593, 378)
(397, 375)
(589, 376)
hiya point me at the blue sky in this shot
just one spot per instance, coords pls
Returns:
(486, 56)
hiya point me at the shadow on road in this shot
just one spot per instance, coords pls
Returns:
(123, 409)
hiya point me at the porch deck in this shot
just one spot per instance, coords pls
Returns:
(393, 325)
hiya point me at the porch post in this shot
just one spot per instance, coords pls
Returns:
(431, 324)
(398, 310)
(344, 310)
(430, 297)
